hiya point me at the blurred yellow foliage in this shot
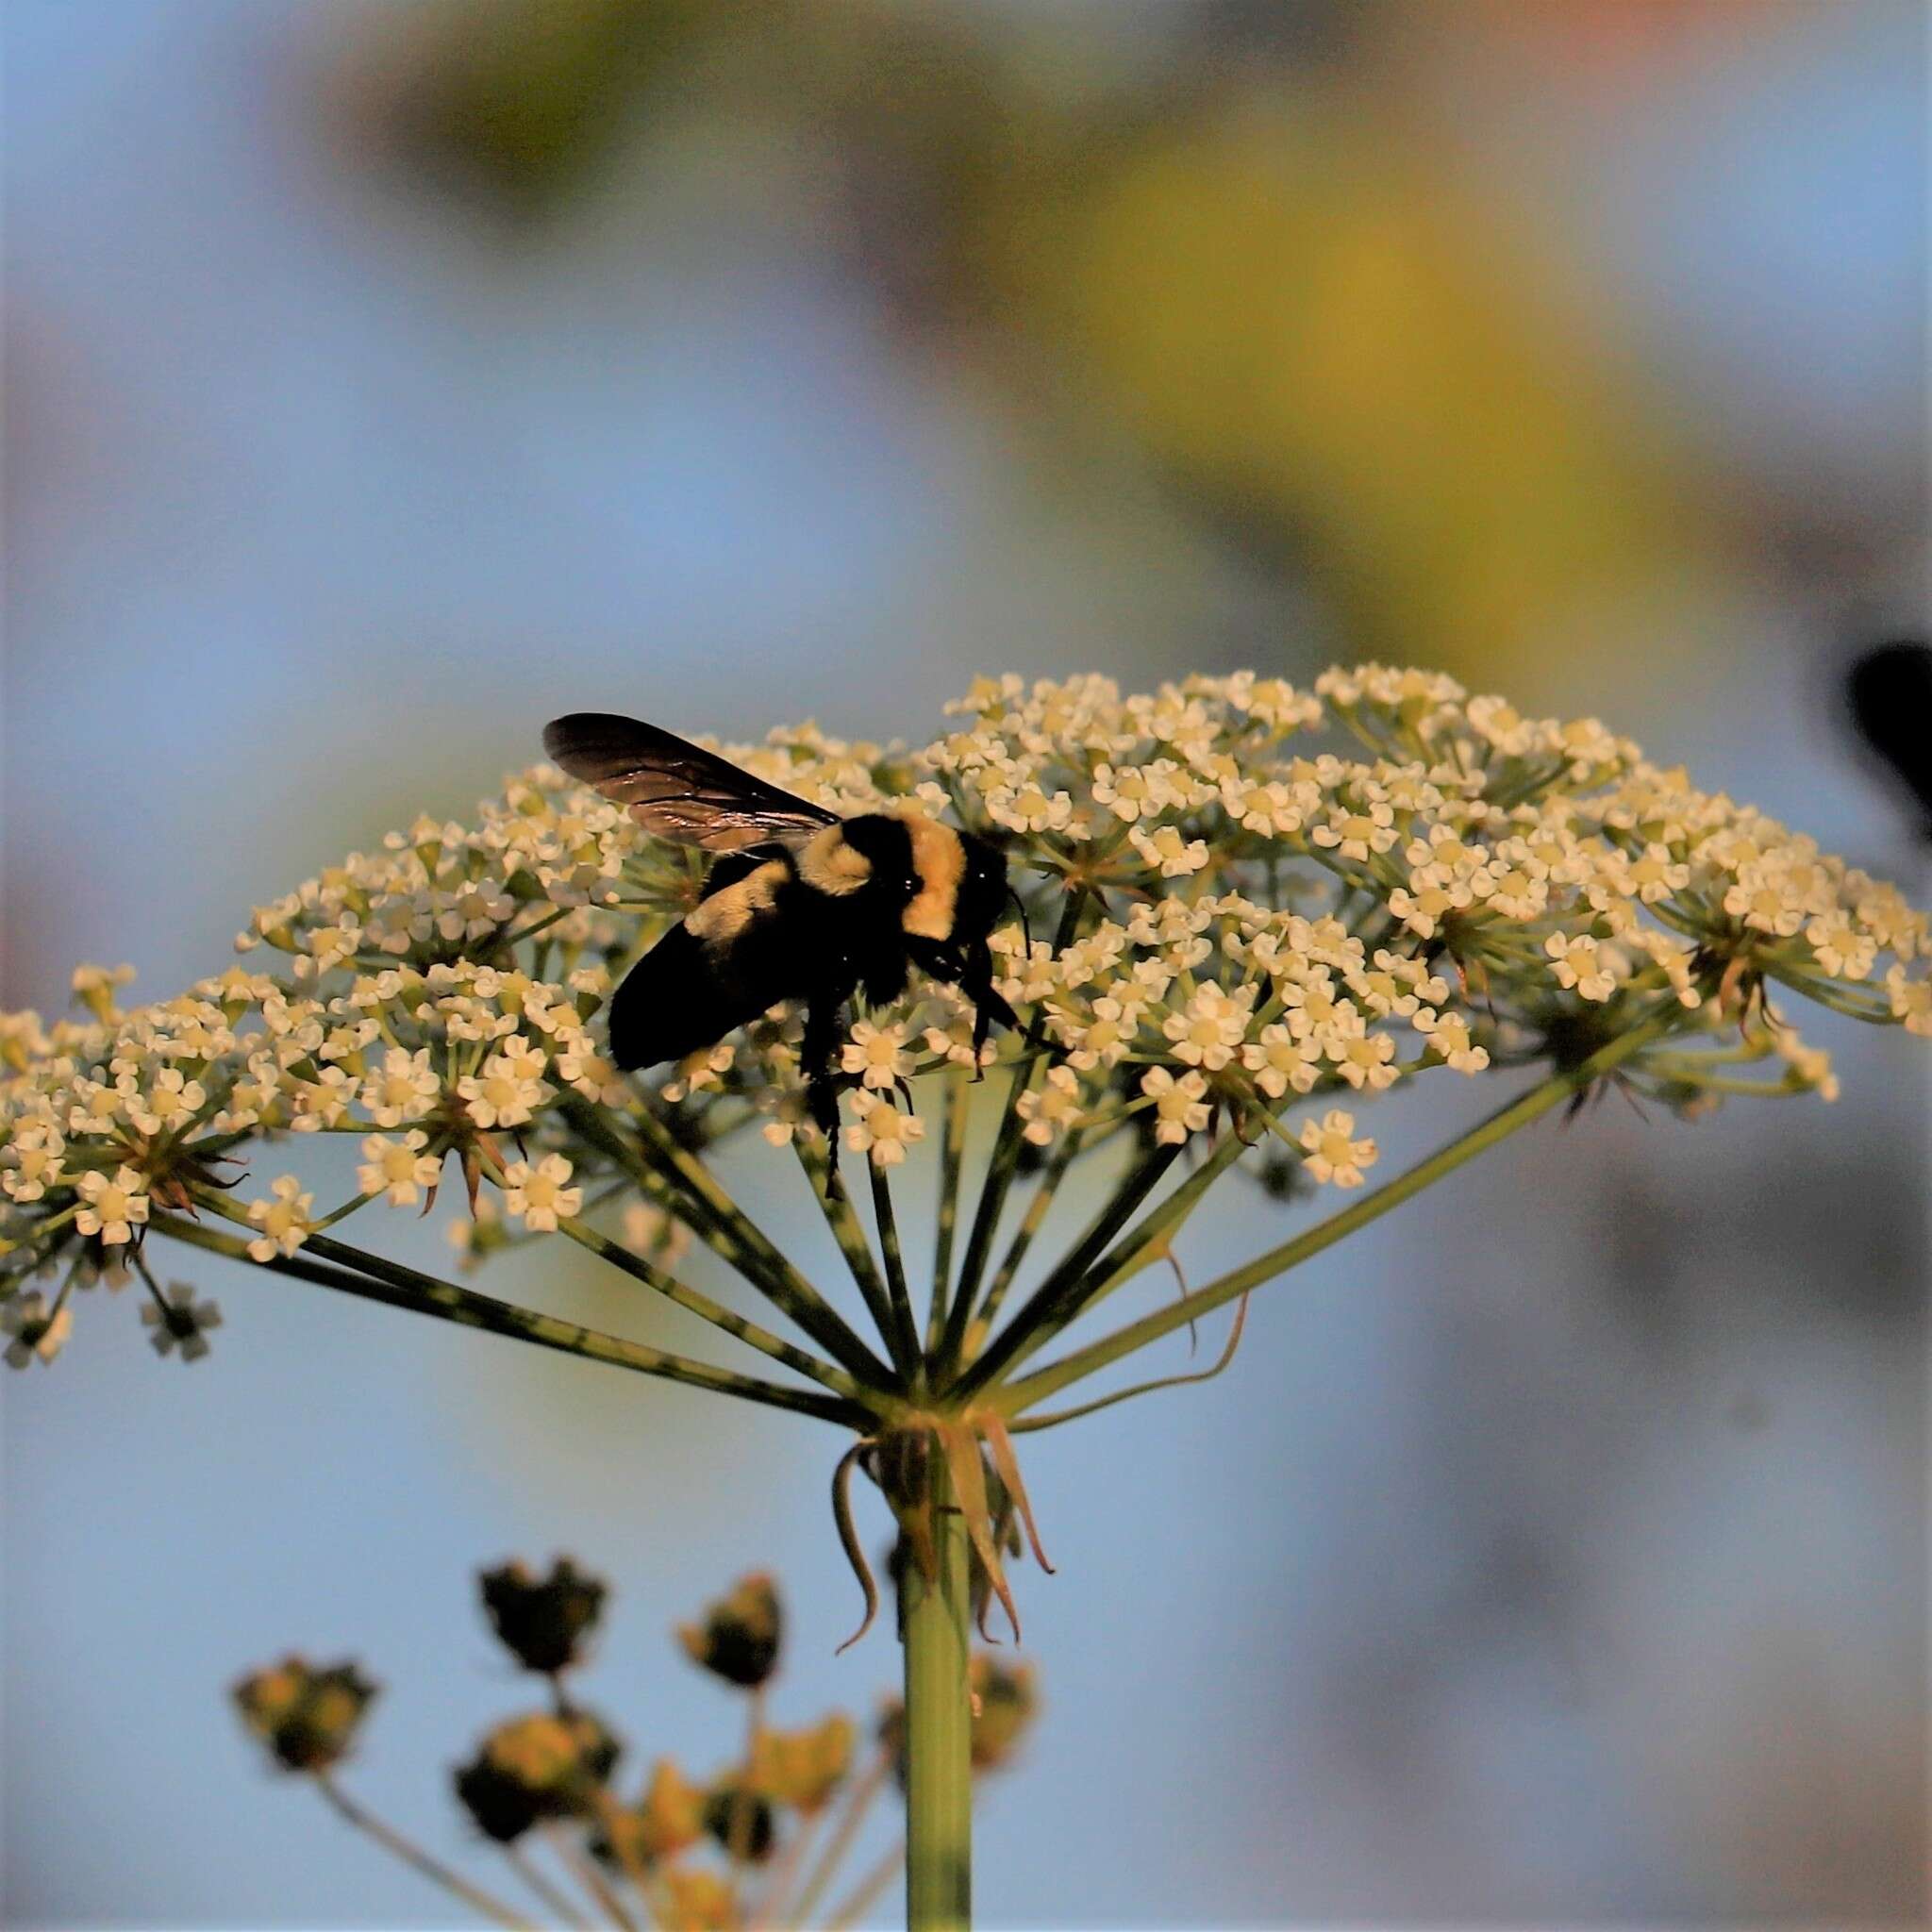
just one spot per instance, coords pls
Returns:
(1298, 313)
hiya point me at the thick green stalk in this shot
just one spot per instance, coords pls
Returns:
(936, 1623)
(1019, 1396)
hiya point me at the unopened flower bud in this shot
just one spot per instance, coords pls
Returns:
(740, 1820)
(738, 1638)
(306, 1717)
(533, 1768)
(542, 1622)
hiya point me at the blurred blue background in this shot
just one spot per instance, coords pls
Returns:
(383, 378)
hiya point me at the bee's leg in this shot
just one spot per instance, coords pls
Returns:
(976, 982)
(821, 1031)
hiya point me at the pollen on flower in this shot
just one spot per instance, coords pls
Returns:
(540, 1195)
(1168, 852)
(1911, 1001)
(505, 1092)
(877, 1055)
(112, 1205)
(403, 1089)
(882, 1131)
(397, 1170)
(1052, 1107)
(283, 1219)
(1332, 1152)
(1208, 1032)
(1181, 1107)
(1576, 962)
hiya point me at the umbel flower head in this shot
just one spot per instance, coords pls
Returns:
(1245, 911)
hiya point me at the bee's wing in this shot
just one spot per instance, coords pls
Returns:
(676, 789)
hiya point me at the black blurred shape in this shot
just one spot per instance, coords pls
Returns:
(1889, 690)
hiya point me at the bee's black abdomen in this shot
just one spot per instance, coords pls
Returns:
(680, 997)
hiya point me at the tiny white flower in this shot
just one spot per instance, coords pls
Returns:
(1174, 856)
(538, 1195)
(1209, 1031)
(1278, 1060)
(1181, 1105)
(1052, 1107)
(36, 1335)
(504, 1092)
(283, 1220)
(877, 1055)
(1911, 1000)
(112, 1208)
(1576, 962)
(882, 1131)
(397, 1170)
(1333, 1154)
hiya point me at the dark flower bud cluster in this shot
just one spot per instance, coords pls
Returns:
(306, 1716)
(542, 1623)
(739, 1636)
(685, 1852)
(546, 1765)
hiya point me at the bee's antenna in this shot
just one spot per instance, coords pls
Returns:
(1019, 905)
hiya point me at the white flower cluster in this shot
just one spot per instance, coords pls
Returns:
(1263, 896)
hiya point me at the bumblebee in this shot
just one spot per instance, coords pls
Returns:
(799, 904)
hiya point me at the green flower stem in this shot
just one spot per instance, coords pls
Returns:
(559, 1908)
(1058, 1163)
(857, 1804)
(583, 1868)
(952, 1162)
(1001, 1165)
(936, 1623)
(1046, 1316)
(1051, 1300)
(377, 1280)
(1003, 1162)
(1019, 1396)
(714, 1312)
(414, 1856)
(835, 1204)
(905, 1332)
(867, 1893)
(1025, 1425)
(729, 1232)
